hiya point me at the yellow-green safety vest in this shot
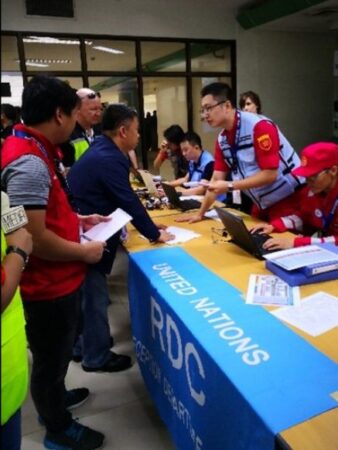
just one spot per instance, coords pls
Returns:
(81, 145)
(14, 361)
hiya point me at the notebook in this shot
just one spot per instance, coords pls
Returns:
(174, 199)
(147, 178)
(241, 236)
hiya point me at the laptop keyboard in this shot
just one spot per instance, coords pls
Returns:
(259, 239)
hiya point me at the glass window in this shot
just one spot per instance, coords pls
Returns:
(116, 90)
(9, 54)
(110, 55)
(163, 57)
(168, 97)
(208, 134)
(13, 87)
(46, 54)
(210, 57)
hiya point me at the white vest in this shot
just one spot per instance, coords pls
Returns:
(195, 173)
(284, 185)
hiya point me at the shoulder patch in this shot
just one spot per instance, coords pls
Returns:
(264, 142)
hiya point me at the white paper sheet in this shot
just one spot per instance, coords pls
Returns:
(212, 214)
(269, 290)
(181, 235)
(316, 314)
(104, 230)
(301, 257)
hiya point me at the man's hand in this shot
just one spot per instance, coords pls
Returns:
(278, 243)
(218, 187)
(190, 219)
(161, 226)
(21, 238)
(165, 236)
(262, 228)
(88, 222)
(93, 251)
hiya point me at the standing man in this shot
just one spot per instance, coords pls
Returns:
(50, 285)
(100, 182)
(254, 152)
(89, 114)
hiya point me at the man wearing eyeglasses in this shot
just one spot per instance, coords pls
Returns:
(253, 152)
(89, 115)
(317, 216)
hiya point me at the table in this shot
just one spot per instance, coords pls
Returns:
(318, 432)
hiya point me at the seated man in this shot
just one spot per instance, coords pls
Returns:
(317, 216)
(170, 149)
(201, 165)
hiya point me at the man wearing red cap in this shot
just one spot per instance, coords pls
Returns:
(317, 218)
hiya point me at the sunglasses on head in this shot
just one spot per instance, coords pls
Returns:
(92, 95)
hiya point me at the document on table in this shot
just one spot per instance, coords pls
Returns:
(295, 258)
(269, 290)
(104, 230)
(316, 314)
(181, 235)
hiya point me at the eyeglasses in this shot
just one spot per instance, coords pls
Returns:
(218, 235)
(207, 109)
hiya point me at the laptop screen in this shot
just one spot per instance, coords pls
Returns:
(238, 232)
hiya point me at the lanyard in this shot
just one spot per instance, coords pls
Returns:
(58, 166)
(234, 146)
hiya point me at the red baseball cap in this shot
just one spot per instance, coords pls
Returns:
(317, 157)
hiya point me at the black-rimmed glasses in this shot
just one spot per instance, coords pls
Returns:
(207, 109)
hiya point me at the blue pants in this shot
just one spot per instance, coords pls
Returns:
(11, 433)
(94, 342)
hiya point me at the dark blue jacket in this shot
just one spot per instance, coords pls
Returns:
(99, 182)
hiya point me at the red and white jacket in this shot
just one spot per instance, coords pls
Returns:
(317, 215)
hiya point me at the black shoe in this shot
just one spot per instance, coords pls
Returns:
(78, 358)
(75, 437)
(116, 363)
(76, 397)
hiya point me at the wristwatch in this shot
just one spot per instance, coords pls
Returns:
(18, 251)
(230, 186)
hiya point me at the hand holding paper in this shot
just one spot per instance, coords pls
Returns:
(104, 230)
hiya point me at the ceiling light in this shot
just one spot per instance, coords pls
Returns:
(36, 64)
(109, 50)
(52, 40)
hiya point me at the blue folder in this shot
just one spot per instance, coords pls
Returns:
(312, 273)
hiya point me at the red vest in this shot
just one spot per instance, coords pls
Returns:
(42, 279)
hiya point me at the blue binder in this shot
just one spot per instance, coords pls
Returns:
(313, 273)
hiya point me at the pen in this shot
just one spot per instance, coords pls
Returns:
(90, 240)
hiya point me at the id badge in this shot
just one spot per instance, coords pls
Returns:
(236, 194)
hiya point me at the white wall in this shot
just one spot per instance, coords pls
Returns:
(293, 73)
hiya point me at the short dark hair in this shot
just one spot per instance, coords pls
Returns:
(43, 95)
(115, 115)
(9, 111)
(174, 134)
(253, 97)
(221, 92)
(193, 138)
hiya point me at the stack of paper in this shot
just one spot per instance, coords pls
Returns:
(104, 230)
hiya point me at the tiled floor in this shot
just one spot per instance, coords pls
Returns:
(119, 405)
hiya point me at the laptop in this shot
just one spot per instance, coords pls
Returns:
(147, 179)
(241, 236)
(175, 200)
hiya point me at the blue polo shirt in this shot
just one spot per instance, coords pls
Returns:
(99, 182)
